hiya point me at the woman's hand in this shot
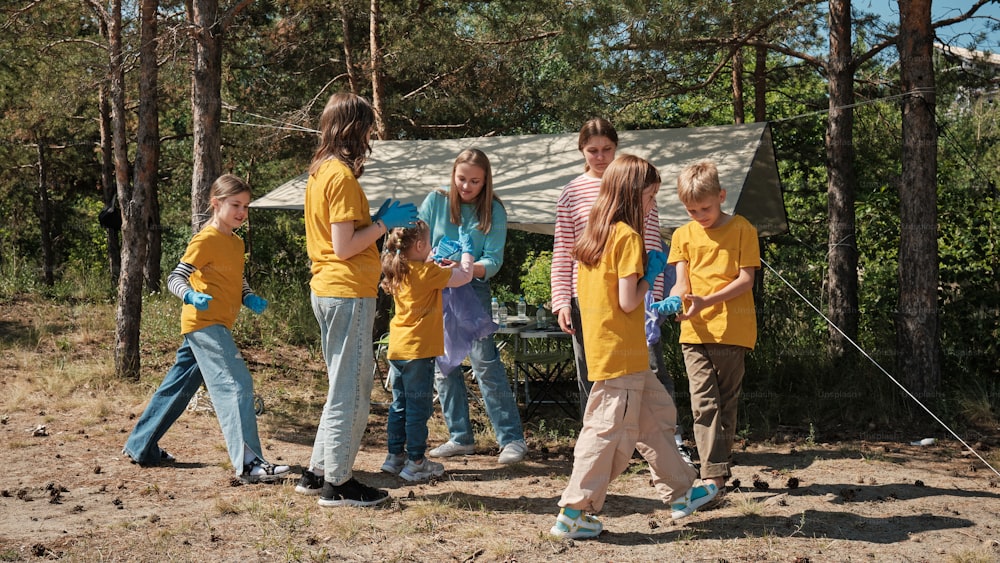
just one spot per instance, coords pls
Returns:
(566, 321)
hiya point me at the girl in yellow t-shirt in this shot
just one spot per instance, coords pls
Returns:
(416, 337)
(628, 407)
(209, 279)
(340, 240)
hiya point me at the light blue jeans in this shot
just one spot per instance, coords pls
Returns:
(412, 405)
(345, 326)
(208, 355)
(499, 400)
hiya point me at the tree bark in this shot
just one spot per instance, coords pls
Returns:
(917, 323)
(206, 105)
(378, 85)
(43, 207)
(345, 20)
(128, 315)
(147, 157)
(108, 188)
(841, 182)
(760, 84)
(739, 109)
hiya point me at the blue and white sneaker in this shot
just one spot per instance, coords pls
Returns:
(695, 498)
(584, 526)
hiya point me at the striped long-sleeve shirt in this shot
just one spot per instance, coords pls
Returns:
(572, 212)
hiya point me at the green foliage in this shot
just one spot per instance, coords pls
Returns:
(536, 277)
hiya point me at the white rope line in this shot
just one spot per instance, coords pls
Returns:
(876, 364)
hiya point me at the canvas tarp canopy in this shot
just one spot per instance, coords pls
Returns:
(529, 172)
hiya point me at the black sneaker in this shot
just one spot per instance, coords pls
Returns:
(310, 484)
(351, 493)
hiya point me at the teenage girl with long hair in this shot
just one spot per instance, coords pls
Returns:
(340, 240)
(628, 409)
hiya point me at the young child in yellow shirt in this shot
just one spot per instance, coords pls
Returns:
(416, 337)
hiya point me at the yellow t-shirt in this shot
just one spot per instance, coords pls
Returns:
(714, 258)
(333, 195)
(417, 329)
(218, 261)
(614, 341)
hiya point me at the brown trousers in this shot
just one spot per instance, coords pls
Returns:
(625, 414)
(715, 377)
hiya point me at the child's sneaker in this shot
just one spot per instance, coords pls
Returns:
(394, 463)
(310, 484)
(351, 493)
(450, 448)
(260, 471)
(422, 471)
(695, 498)
(584, 526)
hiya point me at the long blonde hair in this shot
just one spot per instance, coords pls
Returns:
(395, 264)
(344, 128)
(484, 201)
(620, 199)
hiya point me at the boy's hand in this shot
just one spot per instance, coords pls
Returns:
(697, 303)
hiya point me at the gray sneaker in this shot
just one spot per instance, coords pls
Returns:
(450, 448)
(422, 471)
(513, 452)
(394, 463)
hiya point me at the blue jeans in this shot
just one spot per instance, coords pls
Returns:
(208, 355)
(501, 405)
(345, 326)
(412, 405)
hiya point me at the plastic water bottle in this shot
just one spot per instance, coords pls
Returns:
(540, 319)
(495, 308)
(522, 309)
(502, 314)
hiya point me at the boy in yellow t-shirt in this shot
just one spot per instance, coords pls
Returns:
(416, 337)
(715, 257)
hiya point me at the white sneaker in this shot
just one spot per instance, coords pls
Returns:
(513, 452)
(422, 471)
(450, 448)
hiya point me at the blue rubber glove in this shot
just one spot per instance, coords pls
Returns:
(255, 303)
(465, 240)
(446, 248)
(199, 300)
(381, 210)
(669, 306)
(399, 215)
(654, 266)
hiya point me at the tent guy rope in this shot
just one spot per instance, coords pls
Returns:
(876, 364)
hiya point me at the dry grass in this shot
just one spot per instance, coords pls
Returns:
(56, 371)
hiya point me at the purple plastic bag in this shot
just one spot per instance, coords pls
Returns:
(465, 321)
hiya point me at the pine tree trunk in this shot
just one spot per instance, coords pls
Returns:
(147, 157)
(128, 315)
(206, 106)
(918, 347)
(378, 85)
(110, 193)
(843, 252)
(43, 206)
